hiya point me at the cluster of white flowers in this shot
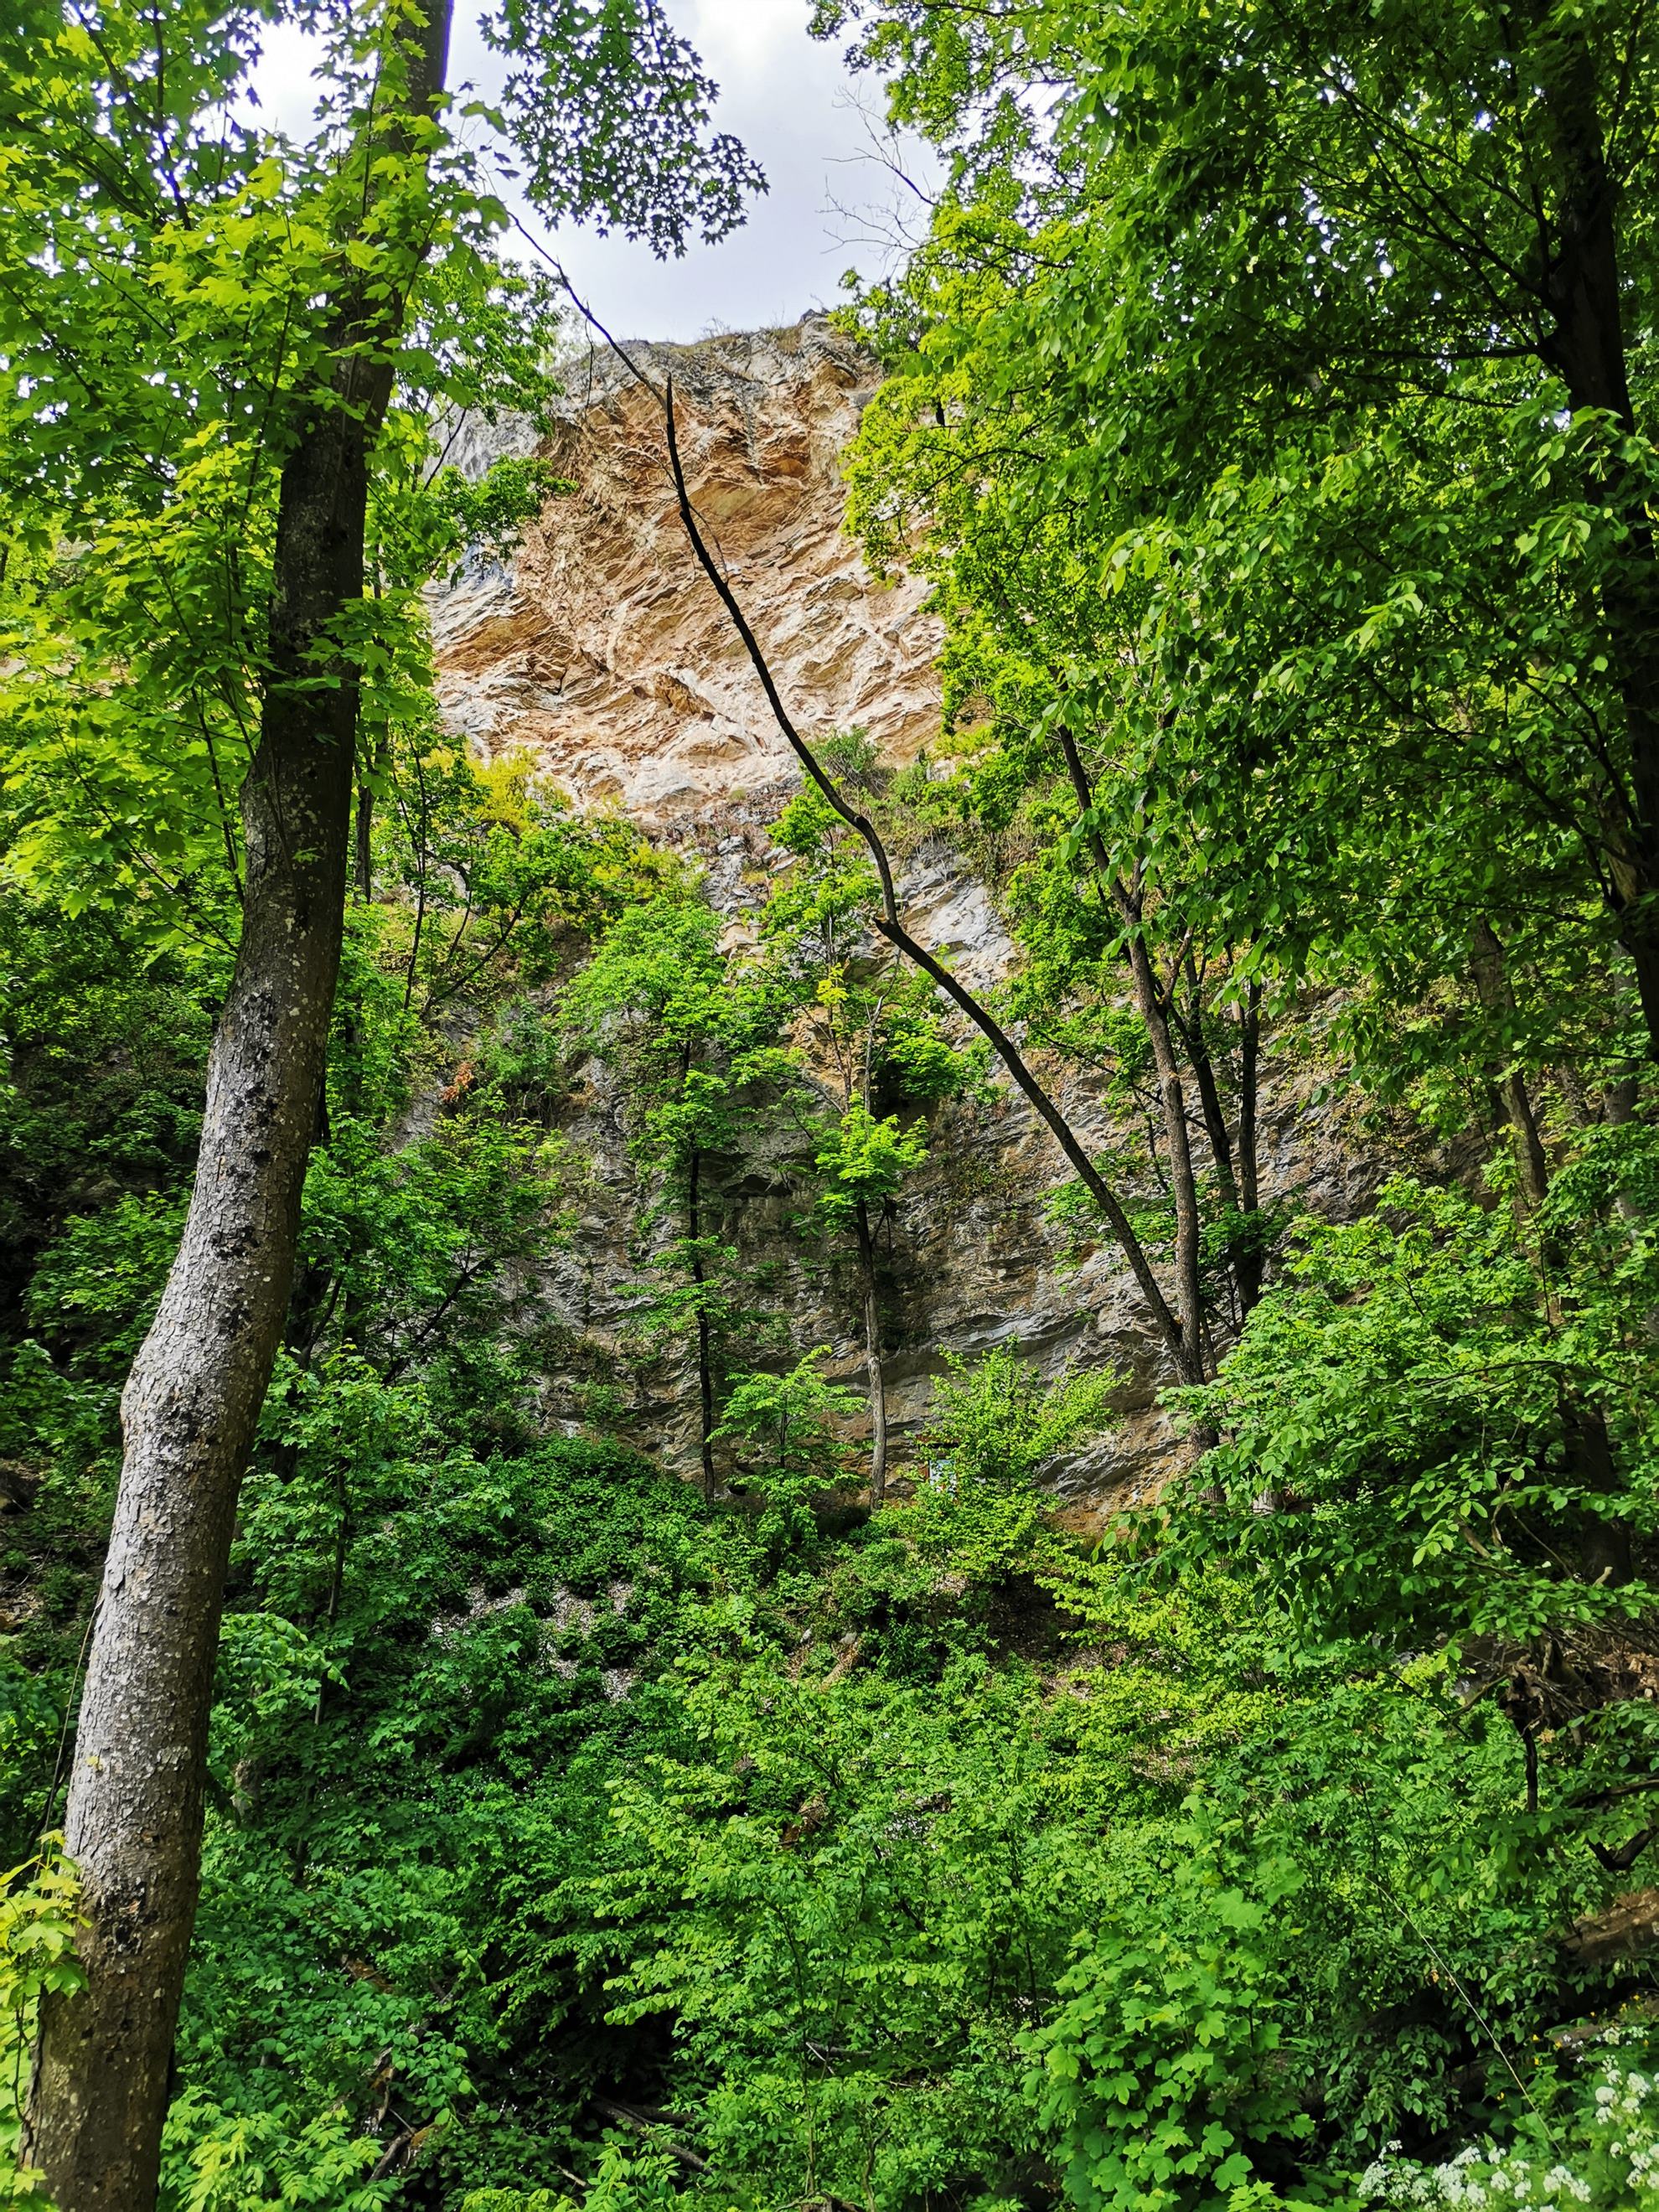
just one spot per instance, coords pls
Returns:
(1614, 2163)
(1627, 2118)
(1481, 2179)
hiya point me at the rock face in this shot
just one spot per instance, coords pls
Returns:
(605, 649)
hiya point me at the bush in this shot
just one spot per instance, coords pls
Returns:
(1166, 2079)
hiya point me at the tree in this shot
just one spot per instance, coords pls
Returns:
(1264, 255)
(1447, 1409)
(875, 1028)
(201, 330)
(1180, 1329)
(787, 1427)
(196, 1389)
(1121, 895)
(697, 1035)
(864, 1162)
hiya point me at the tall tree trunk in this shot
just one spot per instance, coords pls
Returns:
(1168, 1323)
(705, 1349)
(1583, 287)
(363, 870)
(1244, 1254)
(99, 2094)
(1197, 1044)
(1491, 987)
(872, 1356)
(1604, 1539)
(1154, 1014)
(1183, 1182)
(1249, 1082)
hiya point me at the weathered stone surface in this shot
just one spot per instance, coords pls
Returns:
(604, 648)
(605, 645)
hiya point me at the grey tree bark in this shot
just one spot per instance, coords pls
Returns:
(872, 1356)
(100, 2087)
(1183, 1181)
(1488, 968)
(1237, 1180)
(705, 1345)
(1583, 286)
(1151, 1005)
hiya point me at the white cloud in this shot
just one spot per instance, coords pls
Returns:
(811, 125)
(793, 104)
(742, 39)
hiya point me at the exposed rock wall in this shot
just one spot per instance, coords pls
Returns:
(603, 647)
(606, 647)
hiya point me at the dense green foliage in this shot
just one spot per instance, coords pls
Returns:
(581, 1838)
(573, 1836)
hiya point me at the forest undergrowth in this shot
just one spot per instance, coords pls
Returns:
(827, 1822)
(577, 1836)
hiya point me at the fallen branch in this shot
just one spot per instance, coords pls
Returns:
(630, 2118)
(399, 2152)
(1628, 1929)
(1611, 1796)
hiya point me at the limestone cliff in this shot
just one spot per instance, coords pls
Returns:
(607, 649)
(603, 647)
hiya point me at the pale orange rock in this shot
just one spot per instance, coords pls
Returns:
(602, 648)
(605, 649)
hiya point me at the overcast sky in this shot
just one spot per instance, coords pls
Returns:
(814, 129)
